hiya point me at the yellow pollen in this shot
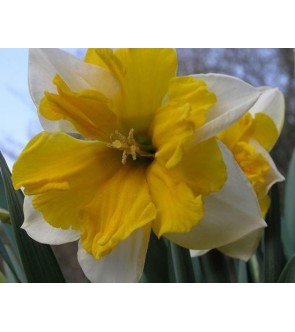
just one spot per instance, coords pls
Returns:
(128, 145)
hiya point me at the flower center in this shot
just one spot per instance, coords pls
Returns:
(128, 145)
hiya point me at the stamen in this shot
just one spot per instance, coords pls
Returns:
(124, 157)
(117, 144)
(127, 145)
(121, 137)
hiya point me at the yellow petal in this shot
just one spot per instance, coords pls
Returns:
(202, 167)
(266, 132)
(144, 75)
(120, 206)
(176, 121)
(253, 164)
(241, 130)
(148, 72)
(178, 209)
(87, 110)
(63, 174)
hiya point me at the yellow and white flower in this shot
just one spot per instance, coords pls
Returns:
(250, 139)
(147, 157)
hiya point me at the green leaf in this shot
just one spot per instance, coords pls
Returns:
(10, 235)
(38, 260)
(215, 268)
(182, 263)
(242, 272)
(197, 269)
(288, 223)
(6, 227)
(3, 203)
(288, 273)
(9, 276)
(17, 264)
(156, 268)
(5, 256)
(274, 259)
(254, 268)
(2, 278)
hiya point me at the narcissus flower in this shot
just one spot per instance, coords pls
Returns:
(250, 139)
(130, 148)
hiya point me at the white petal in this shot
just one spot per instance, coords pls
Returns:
(243, 248)
(44, 64)
(52, 126)
(230, 214)
(272, 103)
(234, 98)
(39, 230)
(124, 264)
(197, 253)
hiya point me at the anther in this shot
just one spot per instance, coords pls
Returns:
(124, 157)
(127, 145)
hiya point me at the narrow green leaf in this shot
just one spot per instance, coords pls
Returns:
(17, 264)
(6, 227)
(242, 272)
(288, 273)
(2, 278)
(6, 258)
(288, 223)
(156, 268)
(9, 276)
(215, 267)
(254, 269)
(3, 202)
(274, 259)
(38, 260)
(182, 263)
(197, 269)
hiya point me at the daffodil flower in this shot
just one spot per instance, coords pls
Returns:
(250, 139)
(130, 148)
